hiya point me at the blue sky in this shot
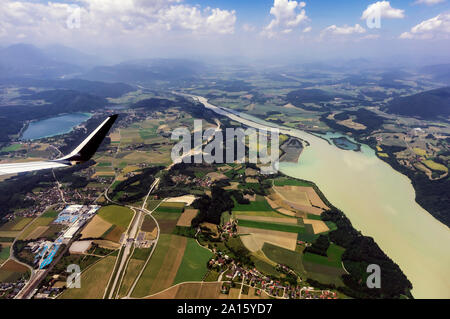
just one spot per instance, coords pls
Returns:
(327, 12)
(230, 27)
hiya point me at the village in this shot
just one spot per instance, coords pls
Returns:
(233, 274)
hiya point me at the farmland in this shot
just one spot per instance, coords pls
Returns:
(39, 223)
(284, 256)
(289, 228)
(186, 218)
(131, 273)
(16, 225)
(193, 266)
(96, 228)
(144, 286)
(170, 207)
(94, 280)
(254, 238)
(210, 290)
(334, 253)
(116, 215)
(12, 271)
(259, 205)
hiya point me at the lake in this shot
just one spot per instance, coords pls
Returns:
(378, 200)
(54, 126)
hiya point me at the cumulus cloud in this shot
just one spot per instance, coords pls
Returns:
(437, 27)
(307, 29)
(287, 15)
(344, 30)
(109, 19)
(382, 9)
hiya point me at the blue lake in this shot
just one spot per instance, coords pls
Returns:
(54, 126)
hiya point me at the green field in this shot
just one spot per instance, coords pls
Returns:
(265, 267)
(193, 265)
(166, 215)
(4, 253)
(116, 215)
(11, 148)
(289, 228)
(307, 237)
(334, 258)
(93, 281)
(168, 210)
(131, 273)
(151, 271)
(261, 214)
(284, 181)
(284, 256)
(17, 224)
(41, 221)
(104, 164)
(435, 166)
(171, 207)
(141, 253)
(152, 204)
(50, 214)
(332, 226)
(258, 205)
(314, 217)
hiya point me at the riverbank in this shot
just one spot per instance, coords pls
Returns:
(378, 200)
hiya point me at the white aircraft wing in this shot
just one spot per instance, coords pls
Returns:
(6, 169)
(82, 153)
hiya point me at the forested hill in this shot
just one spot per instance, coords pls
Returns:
(13, 117)
(425, 105)
(101, 89)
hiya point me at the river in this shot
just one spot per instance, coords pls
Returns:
(378, 200)
(54, 126)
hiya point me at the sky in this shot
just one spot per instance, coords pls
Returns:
(253, 29)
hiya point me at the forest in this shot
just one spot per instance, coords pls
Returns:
(211, 208)
(361, 251)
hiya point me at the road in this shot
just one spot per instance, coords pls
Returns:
(128, 241)
(149, 213)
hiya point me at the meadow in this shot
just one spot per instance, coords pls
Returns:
(193, 265)
(271, 226)
(94, 280)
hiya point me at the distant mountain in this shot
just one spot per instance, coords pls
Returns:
(392, 79)
(25, 60)
(68, 55)
(426, 105)
(69, 100)
(300, 96)
(439, 72)
(100, 89)
(146, 71)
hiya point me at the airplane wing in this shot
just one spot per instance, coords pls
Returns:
(82, 153)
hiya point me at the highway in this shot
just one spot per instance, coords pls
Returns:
(127, 244)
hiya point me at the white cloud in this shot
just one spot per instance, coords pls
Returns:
(345, 30)
(107, 20)
(248, 28)
(382, 9)
(370, 37)
(437, 27)
(307, 29)
(429, 2)
(287, 15)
